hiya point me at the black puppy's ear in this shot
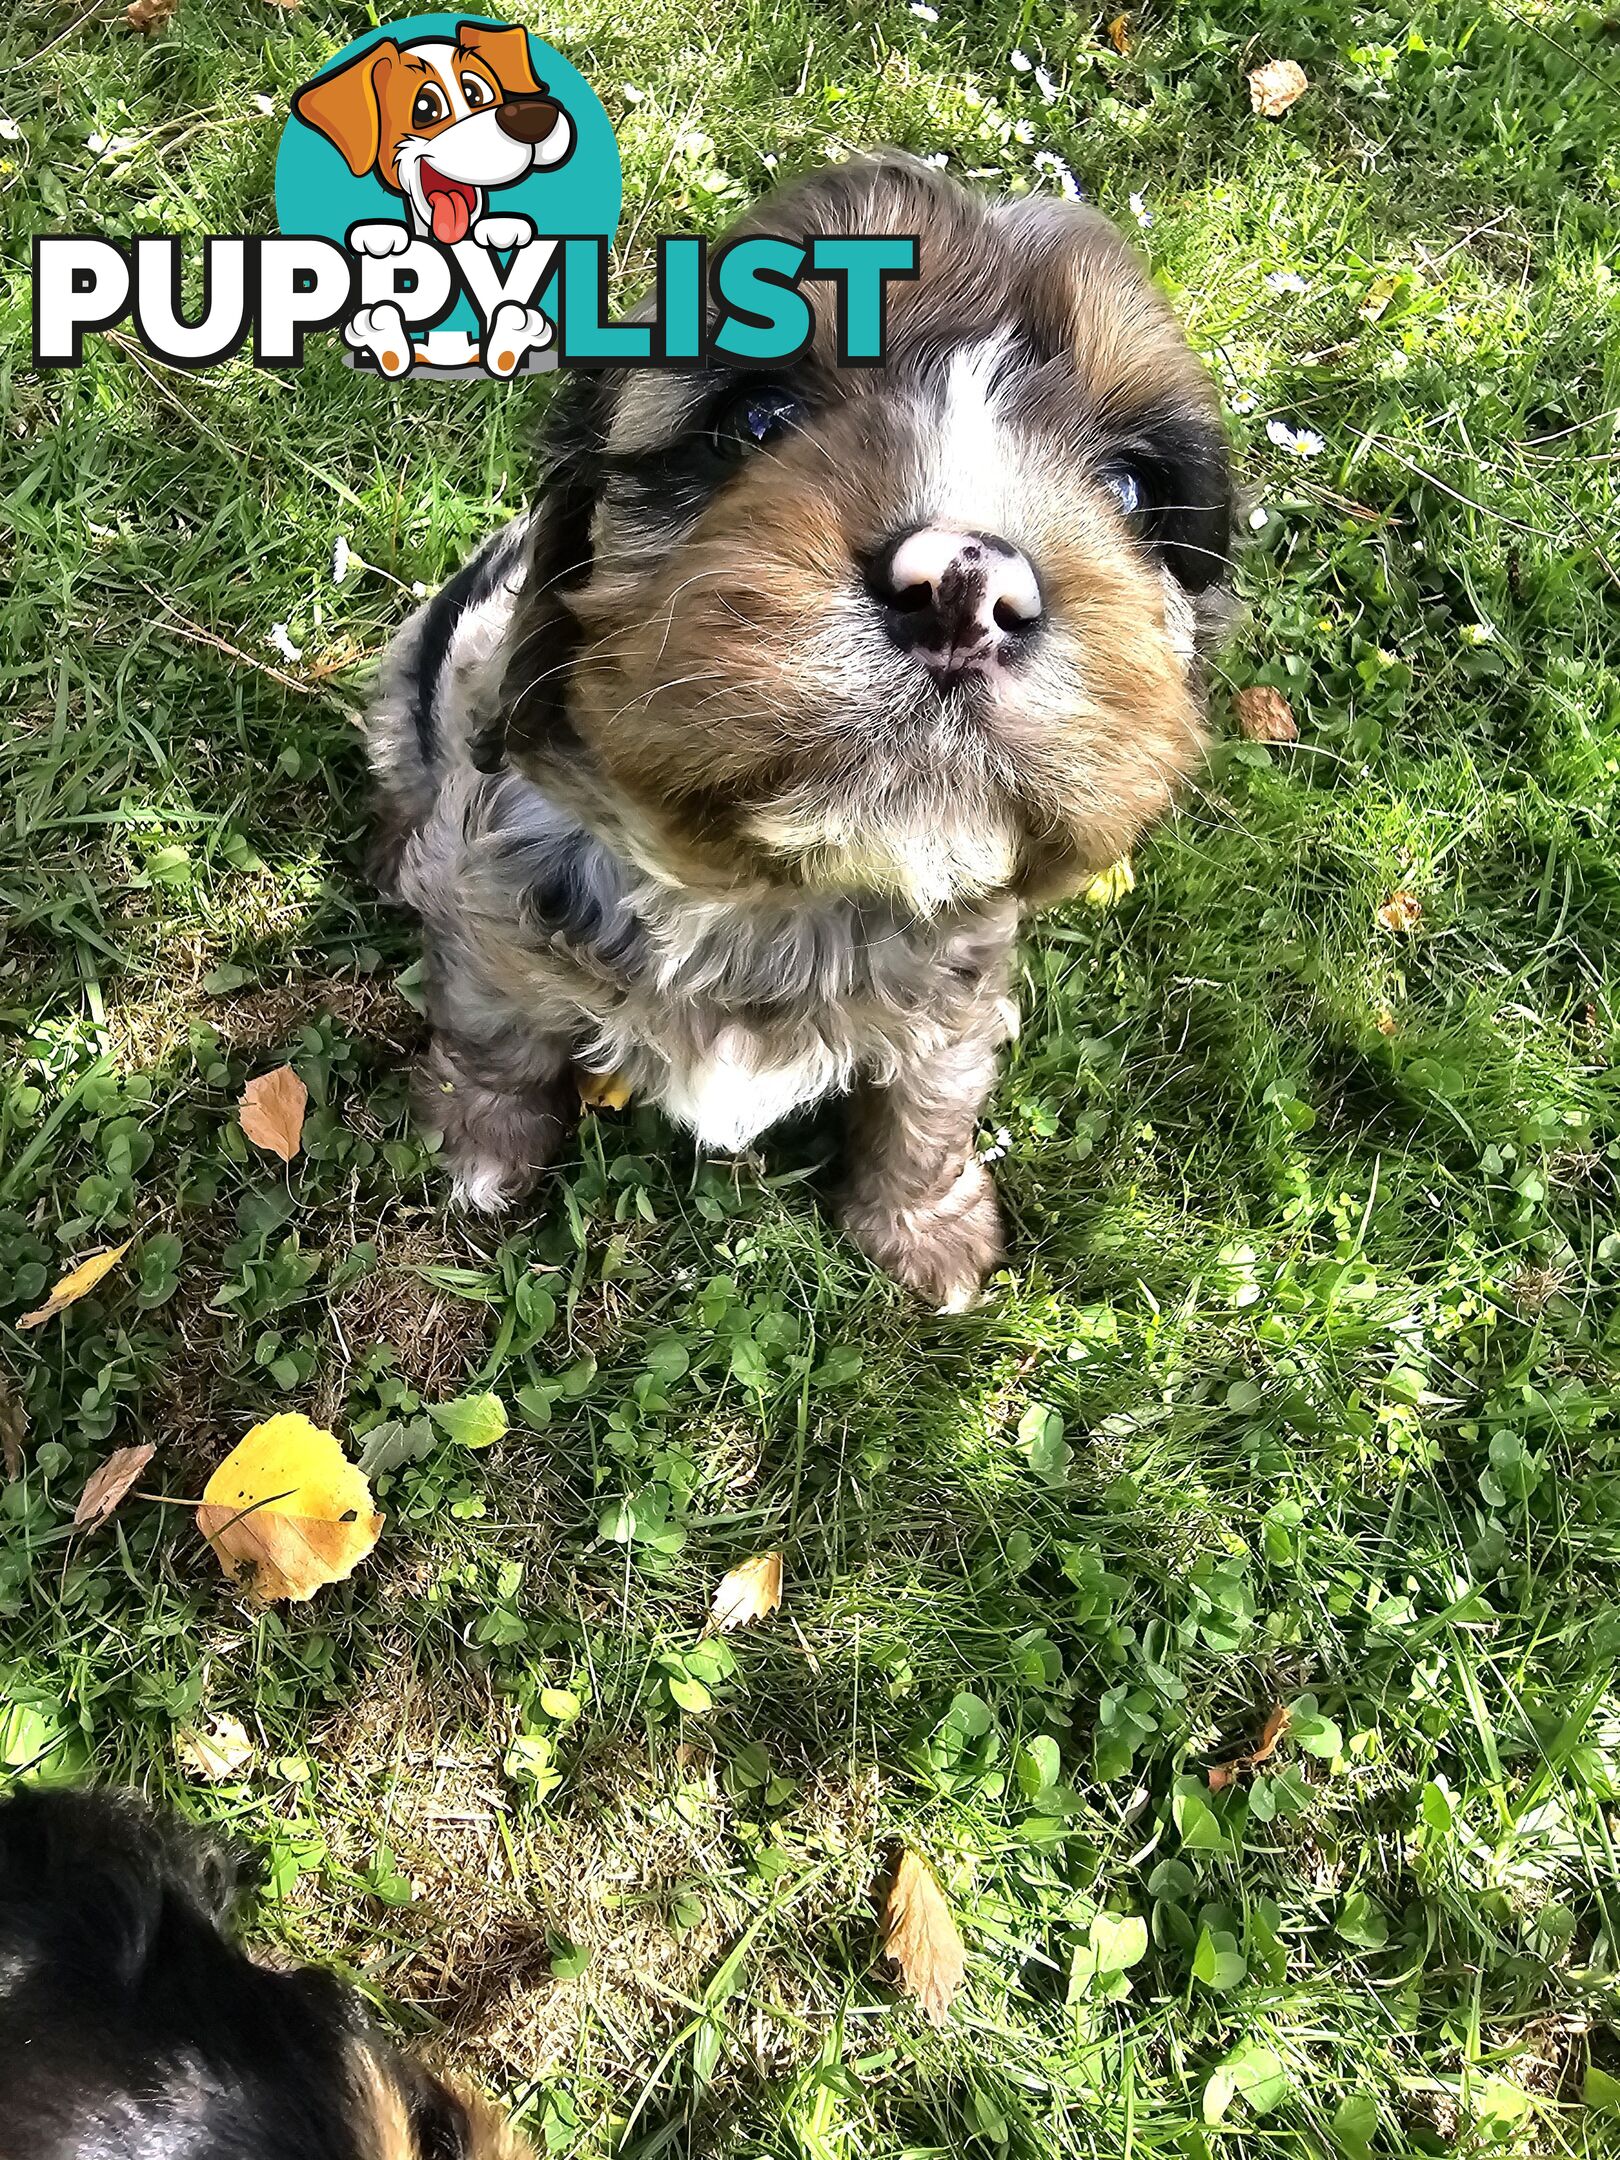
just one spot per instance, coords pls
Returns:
(545, 634)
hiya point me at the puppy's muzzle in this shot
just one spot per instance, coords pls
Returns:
(527, 119)
(960, 604)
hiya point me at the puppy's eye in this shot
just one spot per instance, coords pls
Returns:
(1128, 486)
(754, 417)
(476, 91)
(428, 108)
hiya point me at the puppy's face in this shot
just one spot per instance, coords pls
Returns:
(931, 628)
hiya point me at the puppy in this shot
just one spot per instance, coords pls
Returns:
(131, 2025)
(733, 764)
(441, 121)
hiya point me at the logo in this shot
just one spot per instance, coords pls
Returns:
(448, 190)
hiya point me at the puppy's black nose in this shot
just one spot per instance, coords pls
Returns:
(526, 118)
(960, 603)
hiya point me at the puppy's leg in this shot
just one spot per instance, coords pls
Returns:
(502, 1110)
(917, 1200)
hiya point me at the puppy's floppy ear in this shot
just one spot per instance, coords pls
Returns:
(346, 107)
(505, 53)
(545, 634)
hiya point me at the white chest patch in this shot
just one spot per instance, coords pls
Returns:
(728, 1096)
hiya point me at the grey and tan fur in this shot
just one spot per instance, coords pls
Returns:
(733, 765)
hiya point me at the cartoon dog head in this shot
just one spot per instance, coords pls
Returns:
(440, 121)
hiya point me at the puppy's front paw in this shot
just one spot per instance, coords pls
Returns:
(381, 332)
(942, 1251)
(514, 331)
(495, 1140)
(379, 239)
(503, 232)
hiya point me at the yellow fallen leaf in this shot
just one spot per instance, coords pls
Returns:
(287, 1512)
(1110, 886)
(749, 1592)
(1264, 714)
(79, 1283)
(1377, 297)
(1119, 34)
(1276, 86)
(603, 1091)
(272, 1109)
(921, 1938)
(222, 1752)
(107, 1485)
(1401, 911)
(150, 14)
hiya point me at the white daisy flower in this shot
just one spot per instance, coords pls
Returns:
(1023, 131)
(939, 159)
(1258, 517)
(1048, 88)
(630, 94)
(1140, 211)
(1298, 442)
(418, 590)
(1242, 401)
(9, 130)
(1021, 62)
(95, 144)
(266, 105)
(923, 12)
(280, 642)
(1285, 281)
(342, 557)
(1049, 161)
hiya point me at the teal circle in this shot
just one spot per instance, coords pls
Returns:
(316, 192)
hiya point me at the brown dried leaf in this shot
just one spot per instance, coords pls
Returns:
(1265, 715)
(150, 15)
(287, 1512)
(921, 1938)
(1276, 86)
(13, 1429)
(1271, 1732)
(602, 1091)
(1401, 911)
(1119, 33)
(107, 1485)
(272, 1109)
(749, 1592)
(78, 1283)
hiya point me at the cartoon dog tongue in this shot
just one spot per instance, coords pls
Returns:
(450, 216)
(449, 206)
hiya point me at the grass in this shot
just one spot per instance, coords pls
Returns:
(1299, 1390)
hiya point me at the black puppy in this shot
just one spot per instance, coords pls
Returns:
(133, 2028)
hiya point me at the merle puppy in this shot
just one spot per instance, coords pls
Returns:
(732, 765)
(133, 2028)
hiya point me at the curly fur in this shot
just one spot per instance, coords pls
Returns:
(668, 797)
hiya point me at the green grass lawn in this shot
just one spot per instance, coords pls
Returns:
(1299, 1389)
